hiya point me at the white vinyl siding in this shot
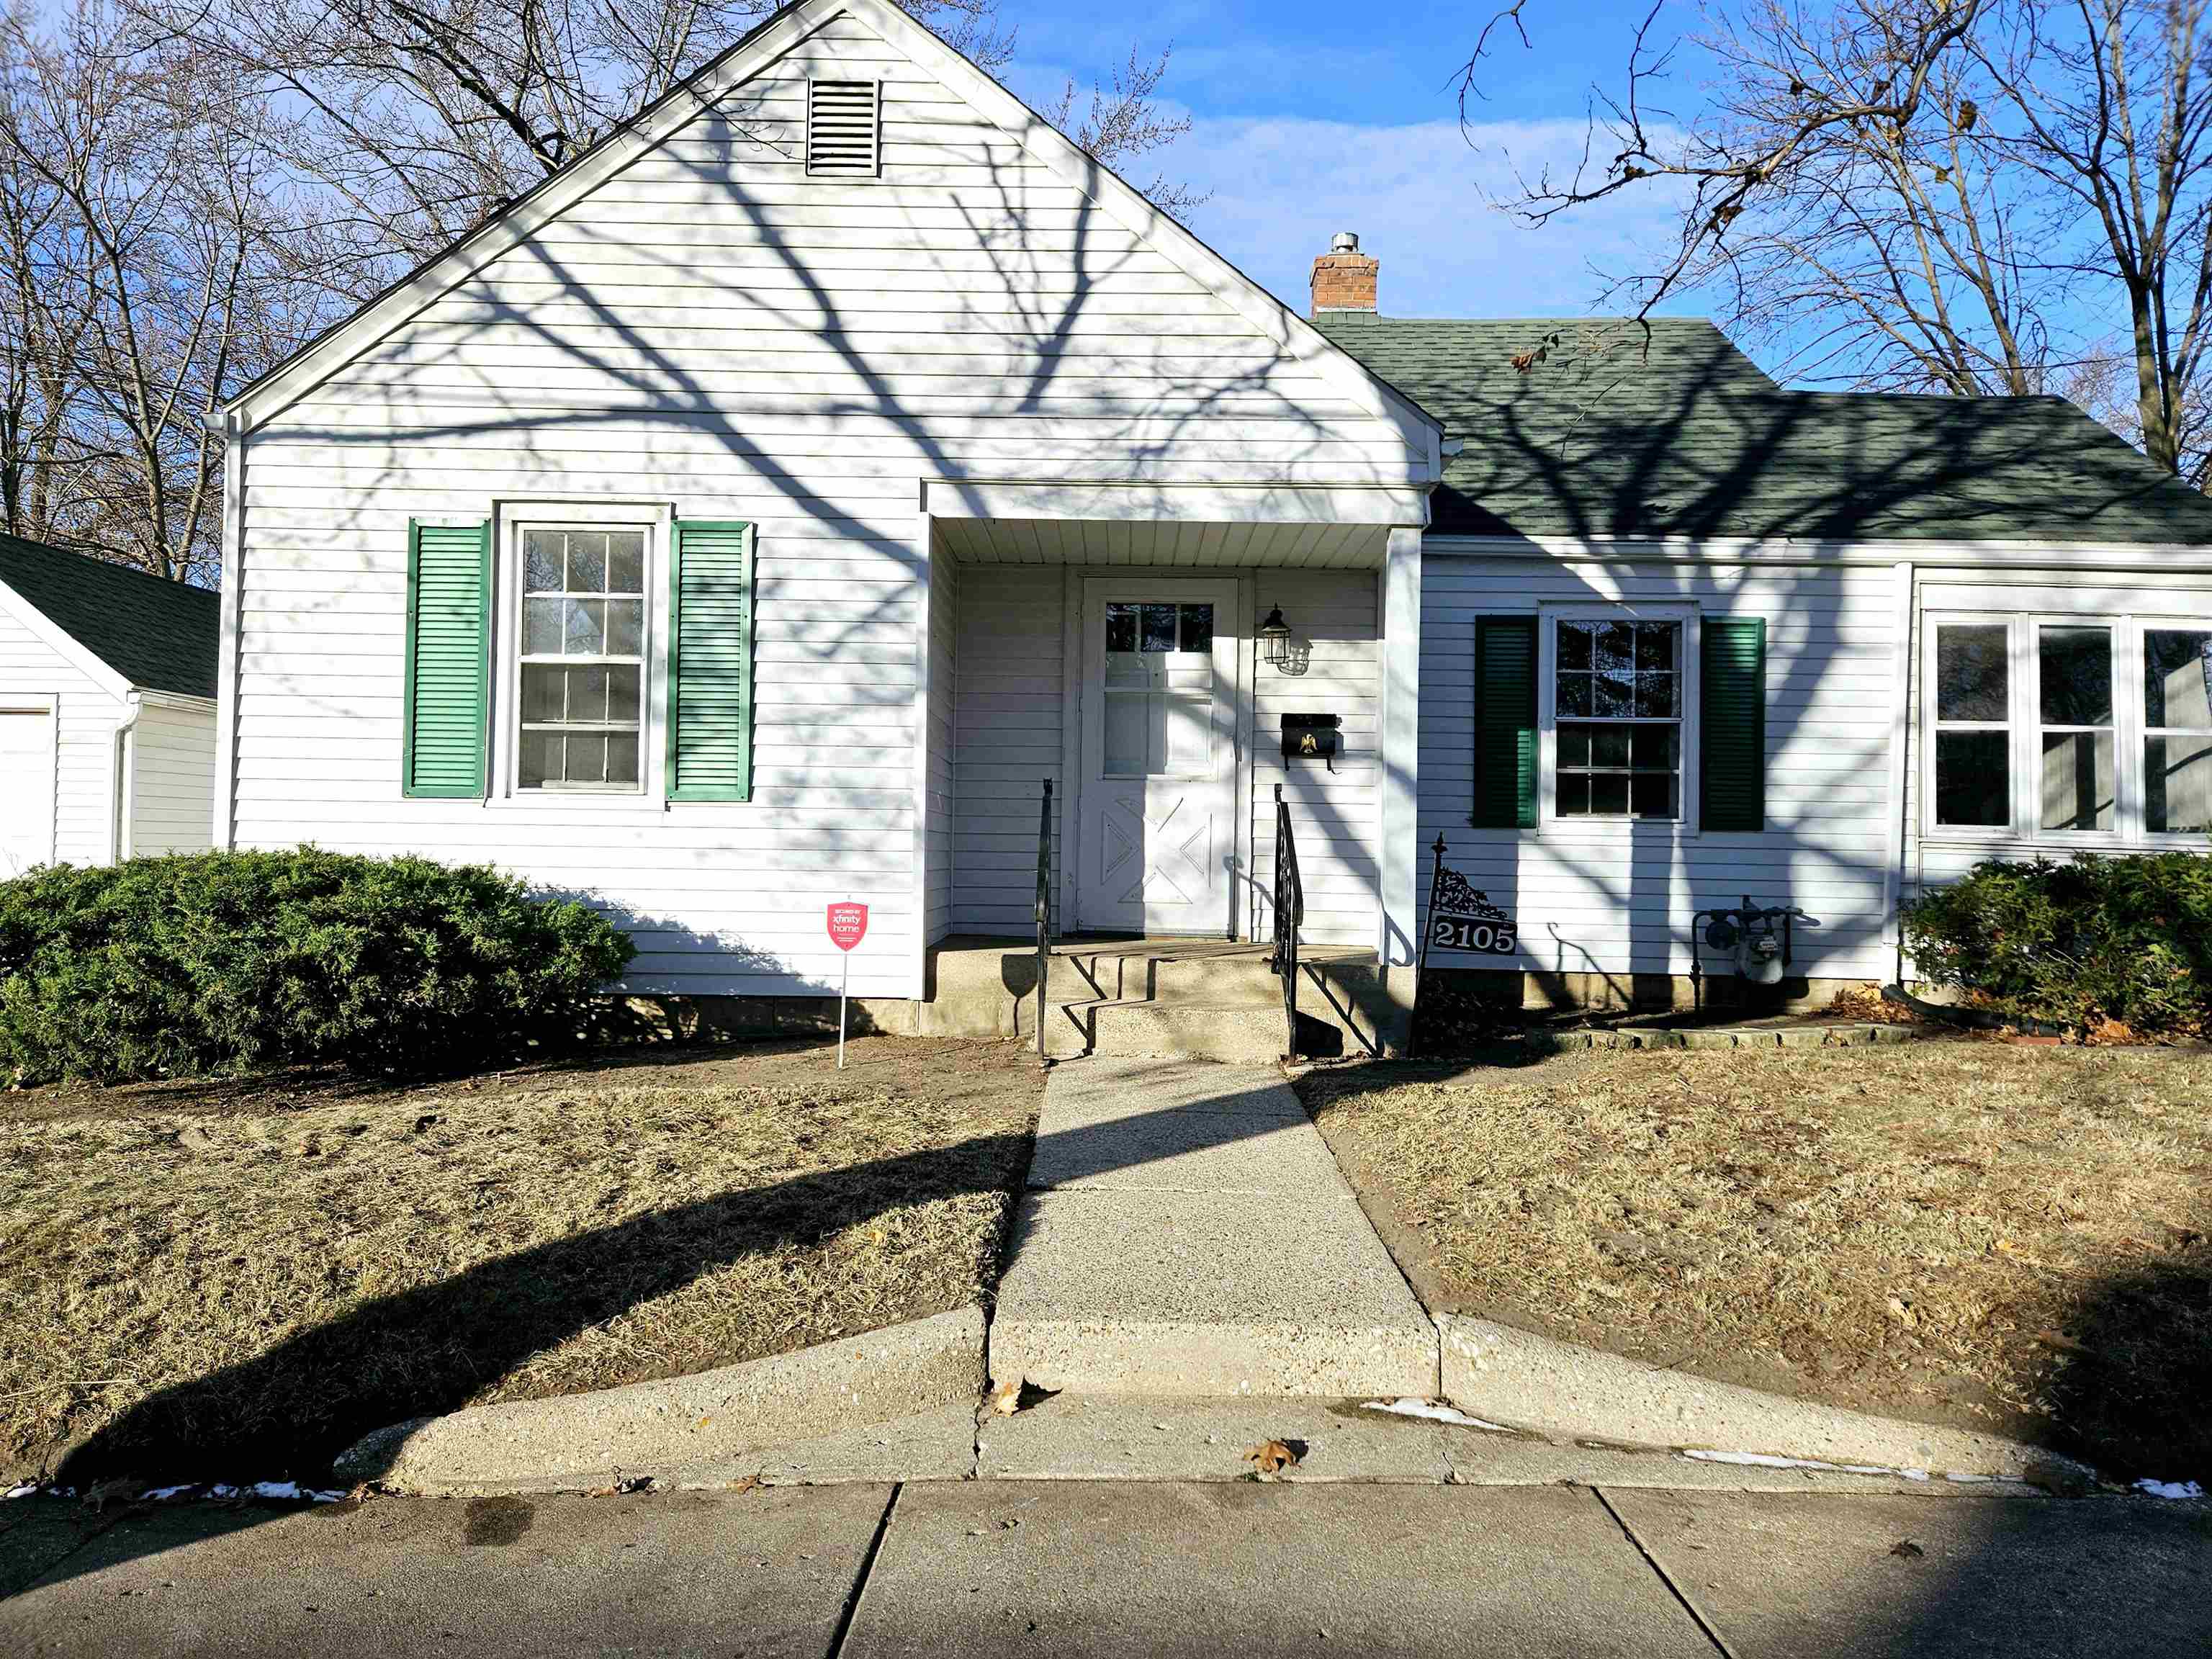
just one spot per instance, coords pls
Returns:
(1012, 666)
(1335, 816)
(86, 713)
(1616, 896)
(714, 330)
(944, 703)
(172, 778)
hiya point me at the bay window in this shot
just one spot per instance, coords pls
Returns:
(2076, 731)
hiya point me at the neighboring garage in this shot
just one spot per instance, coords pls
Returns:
(107, 710)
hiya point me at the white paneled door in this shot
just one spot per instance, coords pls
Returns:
(1157, 837)
(27, 798)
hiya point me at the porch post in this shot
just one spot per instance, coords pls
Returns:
(1400, 595)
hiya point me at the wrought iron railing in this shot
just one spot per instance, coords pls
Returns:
(1043, 909)
(1290, 913)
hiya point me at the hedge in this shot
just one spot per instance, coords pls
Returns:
(2094, 940)
(225, 962)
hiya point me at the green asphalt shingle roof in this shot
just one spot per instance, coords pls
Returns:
(159, 635)
(1690, 440)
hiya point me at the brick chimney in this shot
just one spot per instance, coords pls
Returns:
(1344, 278)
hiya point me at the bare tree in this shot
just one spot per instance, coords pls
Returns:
(1124, 123)
(132, 231)
(1960, 196)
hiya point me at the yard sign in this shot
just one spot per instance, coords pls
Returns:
(849, 926)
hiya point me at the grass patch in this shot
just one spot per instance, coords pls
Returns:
(1955, 1231)
(239, 1280)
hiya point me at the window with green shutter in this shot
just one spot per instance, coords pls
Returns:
(710, 661)
(447, 694)
(1505, 723)
(1732, 724)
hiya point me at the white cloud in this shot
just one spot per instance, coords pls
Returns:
(1420, 198)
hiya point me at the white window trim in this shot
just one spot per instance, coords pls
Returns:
(2024, 721)
(510, 518)
(1588, 826)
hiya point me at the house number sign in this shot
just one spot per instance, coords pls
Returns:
(1462, 918)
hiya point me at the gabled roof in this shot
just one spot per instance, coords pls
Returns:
(295, 375)
(154, 636)
(1691, 440)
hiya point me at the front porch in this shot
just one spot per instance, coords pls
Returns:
(1128, 663)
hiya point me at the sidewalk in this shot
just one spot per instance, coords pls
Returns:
(1188, 1233)
(1085, 1569)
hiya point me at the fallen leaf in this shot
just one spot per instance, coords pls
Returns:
(1007, 1398)
(1906, 1548)
(746, 1485)
(1271, 1457)
(2063, 1343)
(100, 1493)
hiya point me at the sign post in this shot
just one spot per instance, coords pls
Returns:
(849, 926)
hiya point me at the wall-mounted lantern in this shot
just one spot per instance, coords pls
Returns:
(1275, 640)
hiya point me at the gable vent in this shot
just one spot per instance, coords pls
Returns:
(844, 129)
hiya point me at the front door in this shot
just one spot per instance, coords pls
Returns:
(1156, 840)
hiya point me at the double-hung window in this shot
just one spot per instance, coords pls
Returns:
(1618, 705)
(2176, 729)
(582, 665)
(2071, 730)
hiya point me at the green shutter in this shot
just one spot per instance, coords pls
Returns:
(1505, 723)
(1732, 723)
(710, 662)
(448, 659)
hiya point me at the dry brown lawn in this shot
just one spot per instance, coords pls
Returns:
(232, 1280)
(1962, 1231)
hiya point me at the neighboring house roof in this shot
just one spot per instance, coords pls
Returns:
(158, 635)
(1690, 439)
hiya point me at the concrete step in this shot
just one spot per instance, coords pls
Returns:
(1220, 1003)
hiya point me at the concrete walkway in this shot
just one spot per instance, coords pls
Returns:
(1092, 1569)
(1187, 1233)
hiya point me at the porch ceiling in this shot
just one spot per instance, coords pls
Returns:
(1164, 542)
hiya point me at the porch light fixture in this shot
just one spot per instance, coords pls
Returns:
(1275, 639)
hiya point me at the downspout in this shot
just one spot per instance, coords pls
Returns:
(126, 762)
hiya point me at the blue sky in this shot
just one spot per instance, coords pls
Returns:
(1303, 126)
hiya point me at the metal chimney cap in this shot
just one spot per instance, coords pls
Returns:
(1345, 242)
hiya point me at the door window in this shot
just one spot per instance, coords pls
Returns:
(1160, 690)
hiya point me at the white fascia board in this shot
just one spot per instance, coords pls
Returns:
(2150, 557)
(52, 633)
(686, 102)
(182, 700)
(1385, 505)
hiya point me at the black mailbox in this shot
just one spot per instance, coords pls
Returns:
(1310, 737)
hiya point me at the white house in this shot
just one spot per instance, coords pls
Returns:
(107, 710)
(759, 513)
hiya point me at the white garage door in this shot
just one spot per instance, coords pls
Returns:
(26, 790)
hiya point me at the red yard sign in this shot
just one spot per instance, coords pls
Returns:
(848, 925)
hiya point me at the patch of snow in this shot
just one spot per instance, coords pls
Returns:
(1435, 1413)
(219, 1490)
(1768, 1461)
(23, 1491)
(1969, 1479)
(2175, 1489)
(163, 1494)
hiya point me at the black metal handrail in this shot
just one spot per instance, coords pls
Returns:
(1290, 915)
(1043, 909)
